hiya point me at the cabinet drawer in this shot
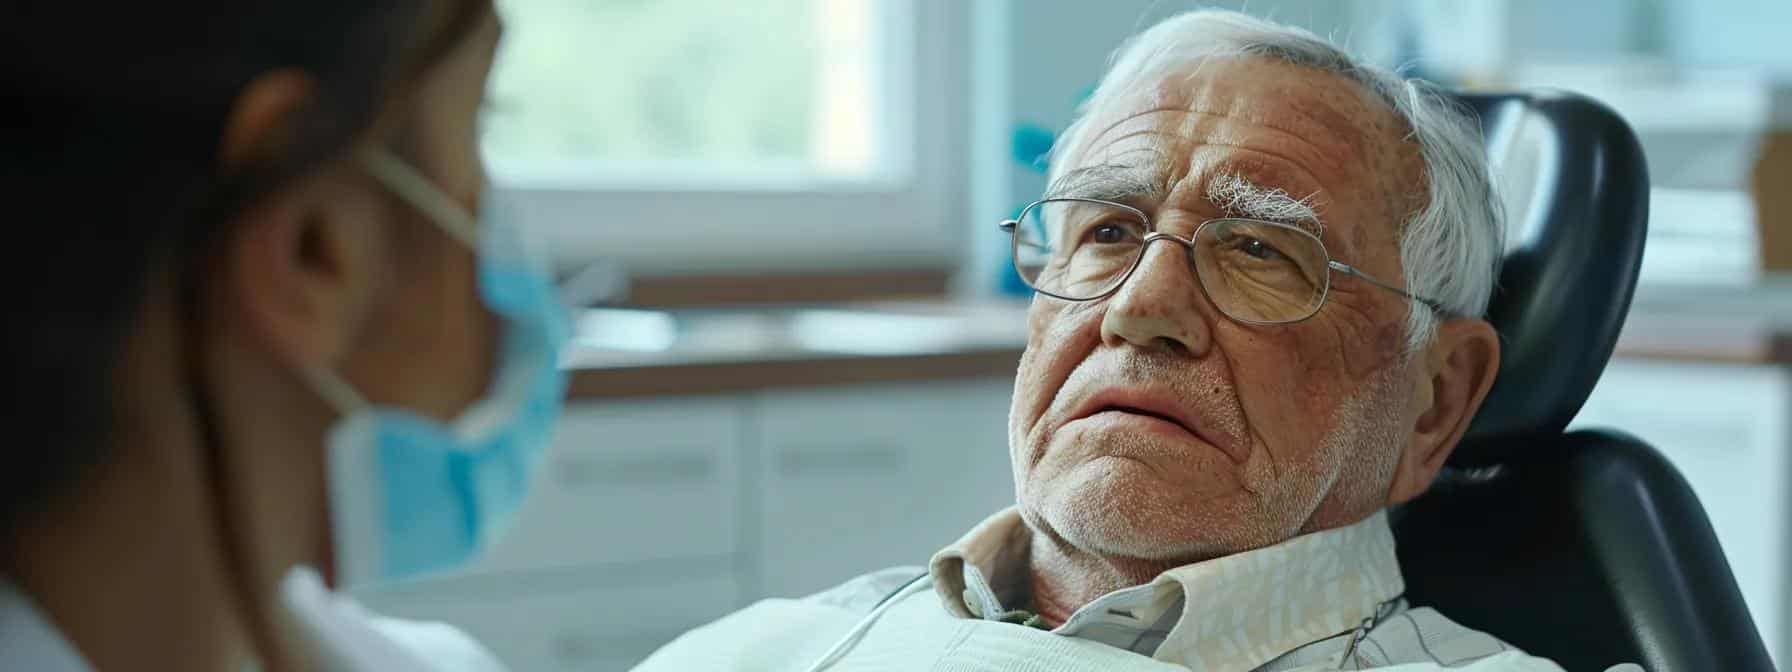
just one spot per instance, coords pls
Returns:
(627, 482)
(860, 478)
(596, 622)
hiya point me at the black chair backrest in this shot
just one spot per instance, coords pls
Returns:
(1577, 200)
(1587, 548)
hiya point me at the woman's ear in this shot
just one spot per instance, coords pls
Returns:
(299, 262)
(261, 121)
(303, 273)
(1459, 367)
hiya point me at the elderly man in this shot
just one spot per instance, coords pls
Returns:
(1260, 271)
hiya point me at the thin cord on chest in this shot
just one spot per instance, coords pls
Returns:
(1382, 612)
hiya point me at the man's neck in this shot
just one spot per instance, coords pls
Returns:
(1064, 577)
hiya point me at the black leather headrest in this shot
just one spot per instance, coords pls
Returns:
(1577, 207)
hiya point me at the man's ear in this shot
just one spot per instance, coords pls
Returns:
(300, 260)
(1460, 367)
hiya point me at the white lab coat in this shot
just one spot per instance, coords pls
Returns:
(342, 635)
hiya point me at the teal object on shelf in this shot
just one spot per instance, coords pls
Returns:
(1030, 146)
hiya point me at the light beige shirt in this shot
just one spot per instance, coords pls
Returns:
(1323, 601)
(1272, 608)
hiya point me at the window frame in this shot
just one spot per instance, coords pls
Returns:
(906, 216)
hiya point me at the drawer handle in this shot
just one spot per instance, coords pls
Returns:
(588, 471)
(840, 460)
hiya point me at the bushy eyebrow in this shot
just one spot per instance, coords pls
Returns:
(1237, 196)
(1145, 186)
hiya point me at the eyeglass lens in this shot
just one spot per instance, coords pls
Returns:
(1251, 270)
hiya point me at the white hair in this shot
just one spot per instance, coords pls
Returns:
(1450, 249)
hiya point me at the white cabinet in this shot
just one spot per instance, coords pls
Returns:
(1724, 426)
(857, 478)
(629, 538)
(631, 481)
(652, 517)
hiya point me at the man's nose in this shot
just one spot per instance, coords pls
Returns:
(1161, 306)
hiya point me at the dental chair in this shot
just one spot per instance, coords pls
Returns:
(1587, 547)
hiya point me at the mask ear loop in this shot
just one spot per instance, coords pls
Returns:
(420, 193)
(423, 195)
(335, 391)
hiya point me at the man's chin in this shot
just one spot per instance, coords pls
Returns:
(1125, 508)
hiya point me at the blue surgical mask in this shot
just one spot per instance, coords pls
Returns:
(410, 494)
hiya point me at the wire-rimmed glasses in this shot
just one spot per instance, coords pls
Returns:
(1254, 271)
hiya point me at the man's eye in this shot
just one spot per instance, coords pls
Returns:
(1260, 249)
(1109, 234)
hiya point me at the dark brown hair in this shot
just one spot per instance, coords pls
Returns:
(109, 134)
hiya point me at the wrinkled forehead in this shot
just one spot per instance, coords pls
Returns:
(1287, 126)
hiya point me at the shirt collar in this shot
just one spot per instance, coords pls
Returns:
(995, 549)
(1235, 612)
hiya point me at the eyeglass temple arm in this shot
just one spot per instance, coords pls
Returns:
(1012, 227)
(1352, 271)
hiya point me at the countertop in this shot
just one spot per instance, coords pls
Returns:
(642, 353)
(635, 353)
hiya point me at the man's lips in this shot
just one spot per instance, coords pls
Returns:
(1153, 407)
(1135, 420)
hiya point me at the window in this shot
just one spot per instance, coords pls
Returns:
(681, 136)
